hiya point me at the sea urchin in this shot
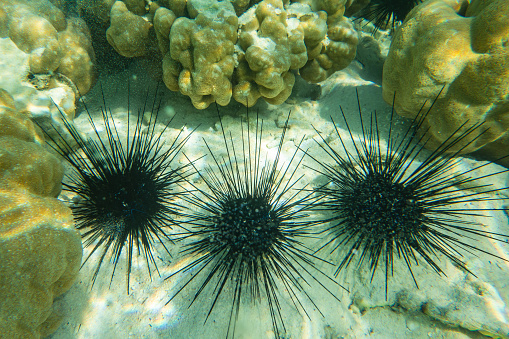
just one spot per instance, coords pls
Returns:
(384, 203)
(386, 13)
(248, 226)
(126, 188)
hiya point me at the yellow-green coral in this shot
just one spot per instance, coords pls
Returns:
(78, 59)
(128, 32)
(55, 44)
(266, 55)
(334, 55)
(221, 49)
(200, 60)
(163, 20)
(463, 46)
(40, 250)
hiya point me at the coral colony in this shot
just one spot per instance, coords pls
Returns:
(246, 51)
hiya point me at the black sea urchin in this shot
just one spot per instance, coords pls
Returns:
(383, 203)
(126, 188)
(249, 223)
(386, 13)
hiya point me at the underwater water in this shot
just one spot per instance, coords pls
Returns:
(179, 283)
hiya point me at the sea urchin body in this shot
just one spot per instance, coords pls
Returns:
(126, 188)
(386, 13)
(384, 204)
(248, 226)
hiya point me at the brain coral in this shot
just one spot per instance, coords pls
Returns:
(215, 50)
(462, 46)
(55, 44)
(40, 250)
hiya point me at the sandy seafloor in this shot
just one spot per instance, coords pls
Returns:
(456, 306)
